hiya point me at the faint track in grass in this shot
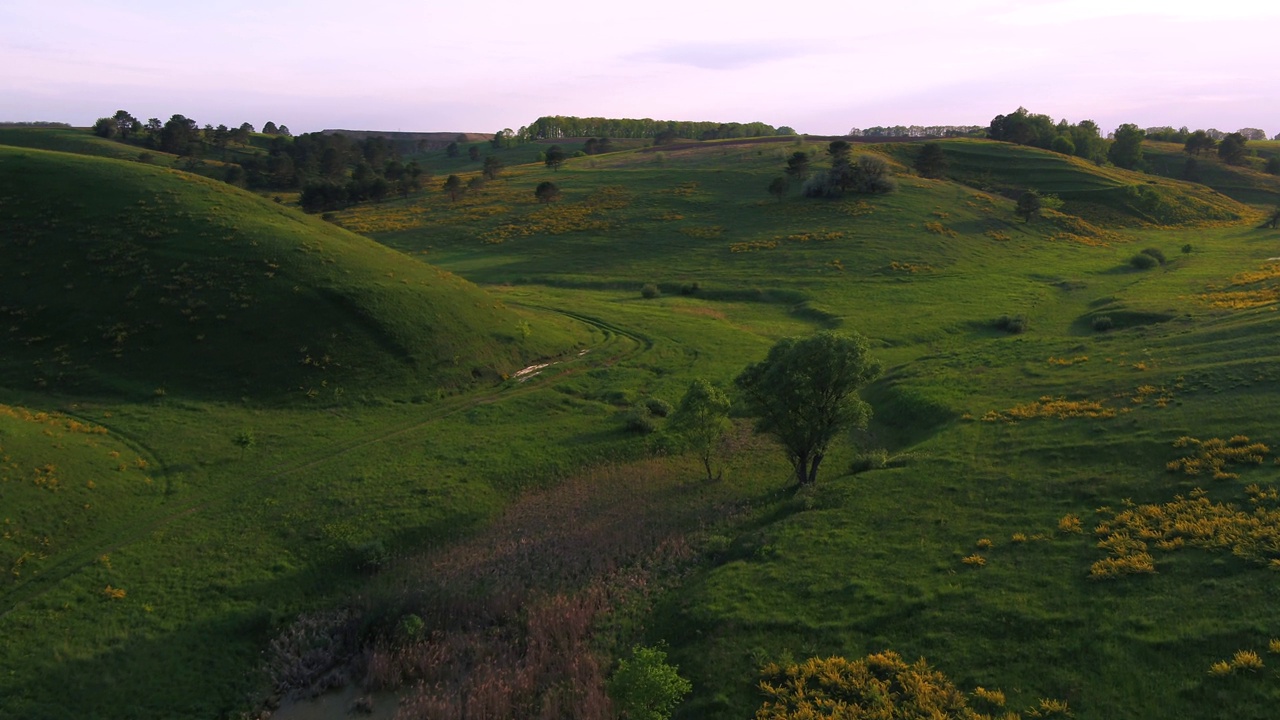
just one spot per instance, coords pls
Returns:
(625, 343)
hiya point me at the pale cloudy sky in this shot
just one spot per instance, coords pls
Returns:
(820, 66)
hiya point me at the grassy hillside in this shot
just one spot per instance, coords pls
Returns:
(1101, 195)
(128, 278)
(963, 526)
(1245, 184)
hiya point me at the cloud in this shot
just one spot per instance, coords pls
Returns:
(720, 56)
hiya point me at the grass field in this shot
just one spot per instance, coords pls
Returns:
(149, 579)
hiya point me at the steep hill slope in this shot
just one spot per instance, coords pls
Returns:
(124, 277)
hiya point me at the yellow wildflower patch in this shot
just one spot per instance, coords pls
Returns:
(1051, 407)
(1213, 455)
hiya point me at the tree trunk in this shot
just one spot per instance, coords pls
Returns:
(801, 464)
(813, 471)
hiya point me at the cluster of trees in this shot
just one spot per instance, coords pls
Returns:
(559, 126)
(804, 394)
(1230, 147)
(920, 131)
(180, 135)
(332, 170)
(1081, 139)
(866, 174)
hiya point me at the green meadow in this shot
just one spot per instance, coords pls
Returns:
(223, 421)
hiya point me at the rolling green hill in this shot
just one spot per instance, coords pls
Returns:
(1000, 517)
(128, 278)
(1100, 195)
(1245, 184)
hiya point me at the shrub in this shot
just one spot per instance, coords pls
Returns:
(689, 289)
(869, 460)
(1186, 249)
(1012, 324)
(410, 627)
(1156, 253)
(1273, 165)
(658, 407)
(1143, 261)
(645, 687)
(650, 291)
(1103, 323)
(638, 420)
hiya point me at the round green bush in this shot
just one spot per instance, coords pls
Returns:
(650, 291)
(1143, 261)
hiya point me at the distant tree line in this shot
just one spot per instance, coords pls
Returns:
(560, 126)
(920, 131)
(1181, 135)
(331, 171)
(35, 123)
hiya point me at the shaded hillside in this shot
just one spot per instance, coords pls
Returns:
(1120, 198)
(1246, 184)
(120, 276)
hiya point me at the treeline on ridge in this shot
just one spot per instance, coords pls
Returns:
(561, 126)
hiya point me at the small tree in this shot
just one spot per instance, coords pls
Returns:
(931, 162)
(804, 393)
(645, 687)
(492, 167)
(473, 152)
(778, 188)
(1273, 165)
(555, 157)
(701, 420)
(269, 128)
(1273, 220)
(1029, 205)
(453, 187)
(1231, 149)
(546, 191)
(452, 149)
(798, 166)
(1198, 142)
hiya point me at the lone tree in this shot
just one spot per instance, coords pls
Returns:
(492, 167)
(555, 157)
(798, 166)
(473, 152)
(701, 419)
(1273, 220)
(452, 149)
(804, 393)
(546, 191)
(1029, 205)
(453, 187)
(931, 162)
(778, 187)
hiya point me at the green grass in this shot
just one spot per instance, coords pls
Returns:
(1244, 183)
(199, 287)
(242, 542)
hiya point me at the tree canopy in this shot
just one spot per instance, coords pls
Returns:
(701, 419)
(804, 393)
(1126, 149)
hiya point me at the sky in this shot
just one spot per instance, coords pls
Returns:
(821, 66)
